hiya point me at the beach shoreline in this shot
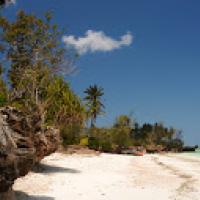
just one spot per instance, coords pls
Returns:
(112, 177)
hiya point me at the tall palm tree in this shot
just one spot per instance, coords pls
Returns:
(93, 102)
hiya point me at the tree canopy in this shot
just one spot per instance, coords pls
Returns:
(31, 48)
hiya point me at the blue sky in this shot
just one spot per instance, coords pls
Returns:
(157, 76)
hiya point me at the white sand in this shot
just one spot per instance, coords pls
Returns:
(113, 177)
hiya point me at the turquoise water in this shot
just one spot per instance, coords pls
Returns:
(196, 153)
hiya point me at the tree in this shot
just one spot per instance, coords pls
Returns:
(146, 134)
(35, 55)
(31, 43)
(35, 58)
(122, 132)
(100, 139)
(123, 121)
(93, 102)
(64, 107)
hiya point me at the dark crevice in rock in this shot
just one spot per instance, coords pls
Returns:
(23, 143)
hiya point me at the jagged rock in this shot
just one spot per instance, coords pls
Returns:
(23, 143)
(46, 142)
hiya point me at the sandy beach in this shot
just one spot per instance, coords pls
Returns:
(112, 177)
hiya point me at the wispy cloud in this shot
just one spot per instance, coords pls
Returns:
(8, 2)
(94, 41)
(12, 1)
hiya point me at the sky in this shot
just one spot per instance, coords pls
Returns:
(145, 54)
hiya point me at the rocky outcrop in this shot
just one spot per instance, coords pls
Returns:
(190, 148)
(23, 143)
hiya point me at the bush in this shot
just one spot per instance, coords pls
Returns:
(70, 134)
(99, 139)
(109, 140)
(93, 143)
(175, 144)
(121, 138)
(106, 146)
(84, 141)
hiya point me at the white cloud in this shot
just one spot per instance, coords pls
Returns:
(97, 41)
(13, 1)
(8, 2)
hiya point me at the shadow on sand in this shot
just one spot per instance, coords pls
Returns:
(47, 169)
(23, 196)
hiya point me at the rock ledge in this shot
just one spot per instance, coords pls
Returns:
(23, 143)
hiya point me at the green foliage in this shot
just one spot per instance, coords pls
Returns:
(35, 57)
(30, 43)
(123, 121)
(94, 143)
(121, 138)
(64, 106)
(93, 102)
(84, 141)
(109, 139)
(100, 139)
(175, 144)
(70, 134)
(94, 140)
(157, 135)
(124, 134)
(32, 46)
(121, 132)
(3, 91)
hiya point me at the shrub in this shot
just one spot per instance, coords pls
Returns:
(84, 141)
(93, 143)
(70, 134)
(106, 146)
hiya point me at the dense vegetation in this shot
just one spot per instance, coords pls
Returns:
(34, 65)
(125, 133)
(35, 61)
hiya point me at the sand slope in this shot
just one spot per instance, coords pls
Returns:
(112, 177)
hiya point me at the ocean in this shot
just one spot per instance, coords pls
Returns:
(196, 153)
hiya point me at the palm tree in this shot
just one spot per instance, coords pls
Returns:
(93, 102)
